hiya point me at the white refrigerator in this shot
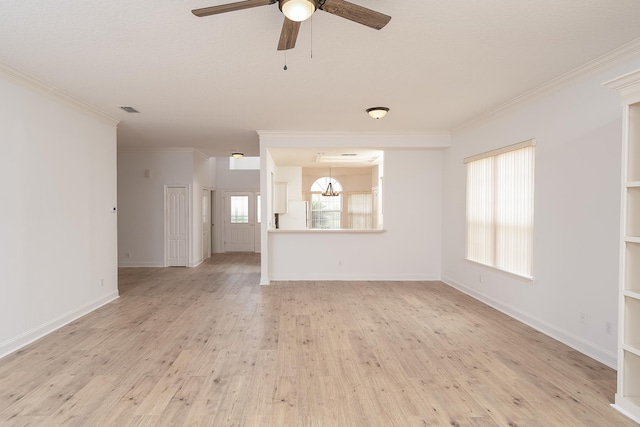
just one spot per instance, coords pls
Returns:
(296, 217)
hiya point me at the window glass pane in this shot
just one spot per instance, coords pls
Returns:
(514, 211)
(244, 163)
(360, 209)
(239, 209)
(480, 211)
(325, 211)
(321, 185)
(500, 210)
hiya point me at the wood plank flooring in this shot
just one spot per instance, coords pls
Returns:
(210, 347)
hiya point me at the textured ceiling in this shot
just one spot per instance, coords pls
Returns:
(209, 83)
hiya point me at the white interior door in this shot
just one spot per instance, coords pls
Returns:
(206, 224)
(239, 221)
(177, 226)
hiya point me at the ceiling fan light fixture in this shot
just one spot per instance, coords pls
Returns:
(237, 155)
(298, 10)
(377, 112)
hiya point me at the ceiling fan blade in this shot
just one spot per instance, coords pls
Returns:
(356, 13)
(289, 34)
(230, 7)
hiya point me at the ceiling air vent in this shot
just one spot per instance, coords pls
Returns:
(130, 109)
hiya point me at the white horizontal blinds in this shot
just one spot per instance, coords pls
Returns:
(514, 211)
(500, 208)
(480, 211)
(360, 211)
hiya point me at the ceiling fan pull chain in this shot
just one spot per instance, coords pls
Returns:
(285, 61)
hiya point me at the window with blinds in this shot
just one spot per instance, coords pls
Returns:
(500, 208)
(360, 211)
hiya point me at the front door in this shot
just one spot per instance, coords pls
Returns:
(239, 221)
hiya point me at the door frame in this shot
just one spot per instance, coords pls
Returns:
(221, 210)
(207, 244)
(166, 224)
(214, 221)
(258, 225)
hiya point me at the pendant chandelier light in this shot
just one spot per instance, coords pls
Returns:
(330, 192)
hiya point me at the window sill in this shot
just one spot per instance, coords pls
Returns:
(528, 279)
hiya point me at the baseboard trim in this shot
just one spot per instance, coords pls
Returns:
(38, 332)
(625, 412)
(594, 351)
(357, 277)
(140, 264)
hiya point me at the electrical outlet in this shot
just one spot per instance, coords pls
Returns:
(583, 318)
(128, 254)
(481, 278)
(101, 282)
(608, 328)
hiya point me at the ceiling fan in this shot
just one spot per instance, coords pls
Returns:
(296, 11)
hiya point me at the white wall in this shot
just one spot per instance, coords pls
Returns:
(58, 244)
(292, 175)
(227, 179)
(351, 179)
(410, 246)
(408, 249)
(577, 127)
(141, 202)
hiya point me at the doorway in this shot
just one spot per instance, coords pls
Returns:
(239, 221)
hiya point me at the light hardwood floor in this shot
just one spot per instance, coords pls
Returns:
(210, 347)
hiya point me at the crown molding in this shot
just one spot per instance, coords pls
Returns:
(620, 54)
(351, 133)
(163, 150)
(626, 84)
(51, 91)
(436, 139)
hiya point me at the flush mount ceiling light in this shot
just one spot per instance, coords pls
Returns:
(298, 10)
(377, 112)
(237, 155)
